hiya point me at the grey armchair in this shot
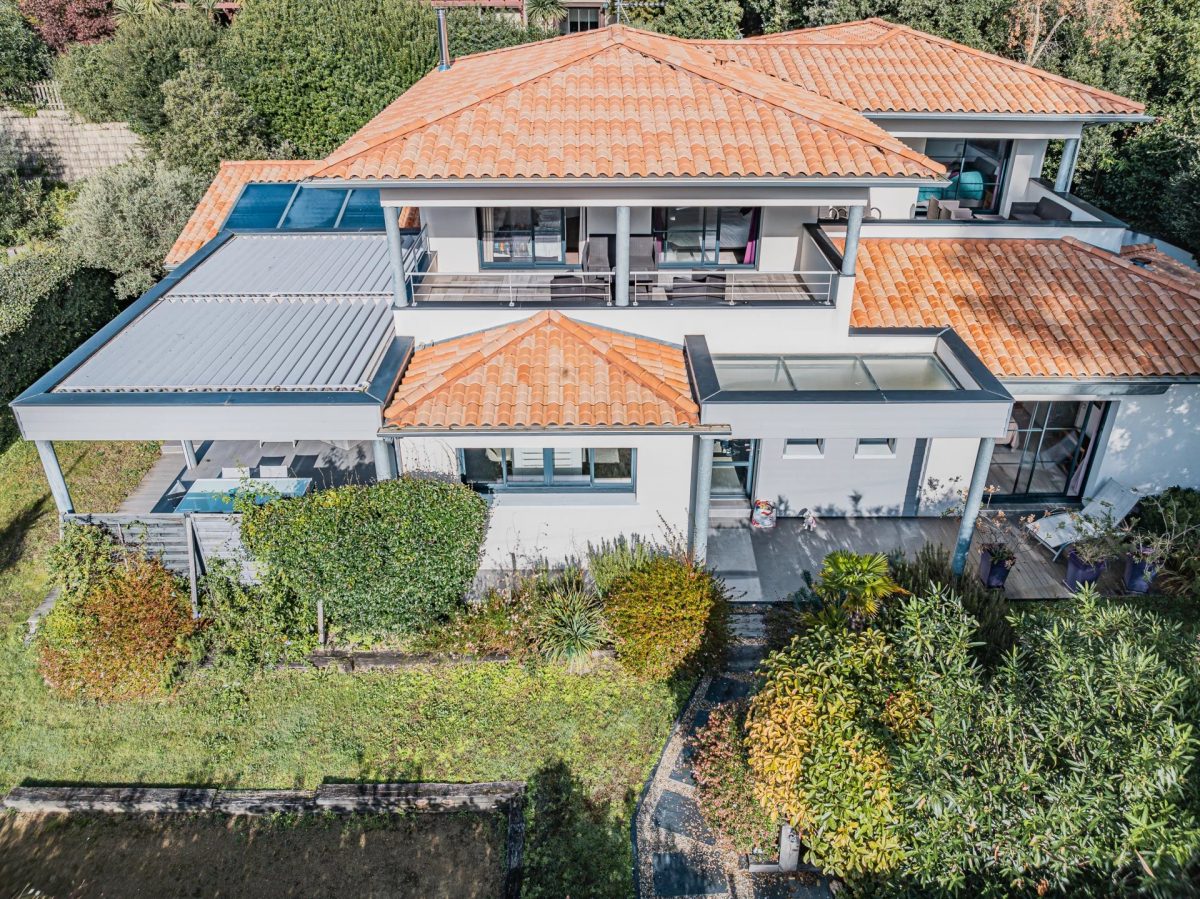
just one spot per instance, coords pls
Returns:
(1044, 210)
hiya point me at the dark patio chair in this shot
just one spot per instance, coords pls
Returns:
(1044, 210)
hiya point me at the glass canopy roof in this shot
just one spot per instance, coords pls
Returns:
(296, 207)
(817, 373)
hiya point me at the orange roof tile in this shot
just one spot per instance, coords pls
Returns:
(548, 371)
(1149, 256)
(877, 66)
(615, 102)
(1034, 308)
(216, 204)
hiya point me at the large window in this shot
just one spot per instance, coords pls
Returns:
(524, 236)
(975, 168)
(706, 236)
(582, 18)
(548, 469)
(1047, 451)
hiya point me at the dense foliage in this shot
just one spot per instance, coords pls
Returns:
(317, 71)
(480, 30)
(388, 558)
(84, 80)
(48, 306)
(23, 56)
(700, 19)
(121, 625)
(669, 617)
(126, 218)
(247, 626)
(724, 788)
(32, 206)
(1168, 526)
(612, 560)
(64, 22)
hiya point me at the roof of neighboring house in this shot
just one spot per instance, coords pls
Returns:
(1034, 308)
(218, 201)
(1150, 257)
(615, 102)
(878, 66)
(547, 371)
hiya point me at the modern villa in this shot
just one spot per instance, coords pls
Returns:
(617, 281)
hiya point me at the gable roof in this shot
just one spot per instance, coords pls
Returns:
(1034, 308)
(877, 66)
(615, 102)
(546, 371)
(222, 194)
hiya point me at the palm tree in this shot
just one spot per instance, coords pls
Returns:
(856, 584)
(544, 14)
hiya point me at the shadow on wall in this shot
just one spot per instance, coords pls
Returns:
(1155, 441)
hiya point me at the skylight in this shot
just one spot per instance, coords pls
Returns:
(297, 207)
(805, 373)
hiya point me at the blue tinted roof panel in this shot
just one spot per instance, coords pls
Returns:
(363, 211)
(260, 206)
(297, 207)
(314, 209)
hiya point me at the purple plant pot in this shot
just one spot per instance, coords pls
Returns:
(993, 574)
(1080, 574)
(1139, 574)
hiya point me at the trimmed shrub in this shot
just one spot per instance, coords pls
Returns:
(701, 19)
(48, 306)
(121, 626)
(63, 22)
(126, 218)
(669, 618)
(317, 71)
(23, 56)
(386, 559)
(83, 80)
(724, 789)
(249, 626)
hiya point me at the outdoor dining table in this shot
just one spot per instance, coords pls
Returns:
(217, 494)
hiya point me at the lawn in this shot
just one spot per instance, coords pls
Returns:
(584, 743)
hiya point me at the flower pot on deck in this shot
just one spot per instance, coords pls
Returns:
(1080, 573)
(993, 573)
(1139, 573)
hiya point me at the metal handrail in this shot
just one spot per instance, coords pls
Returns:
(415, 252)
(511, 288)
(733, 286)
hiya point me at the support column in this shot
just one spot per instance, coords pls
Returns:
(391, 223)
(853, 230)
(704, 457)
(1066, 166)
(54, 475)
(189, 453)
(621, 268)
(384, 471)
(966, 530)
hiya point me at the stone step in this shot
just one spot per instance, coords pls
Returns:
(748, 626)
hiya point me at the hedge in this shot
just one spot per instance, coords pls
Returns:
(48, 306)
(386, 559)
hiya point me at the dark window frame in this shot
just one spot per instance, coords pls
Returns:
(549, 485)
(660, 237)
(533, 262)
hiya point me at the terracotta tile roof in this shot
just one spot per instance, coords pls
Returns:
(1034, 308)
(545, 371)
(615, 102)
(1149, 256)
(214, 207)
(877, 66)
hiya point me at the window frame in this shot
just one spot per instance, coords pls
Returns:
(573, 11)
(482, 239)
(804, 448)
(880, 448)
(549, 485)
(660, 237)
(999, 185)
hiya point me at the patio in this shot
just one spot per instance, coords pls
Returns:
(768, 565)
(327, 464)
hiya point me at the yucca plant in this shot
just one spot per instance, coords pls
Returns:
(570, 625)
(857, 584)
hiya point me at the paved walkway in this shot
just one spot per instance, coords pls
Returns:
(678, 855)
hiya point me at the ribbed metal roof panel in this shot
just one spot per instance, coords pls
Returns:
(200, 344)
(293, 264)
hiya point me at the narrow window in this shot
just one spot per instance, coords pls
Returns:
(875, 448)
(804, 448)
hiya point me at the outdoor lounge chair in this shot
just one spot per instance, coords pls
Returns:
(1056, 532)
(1044, 210)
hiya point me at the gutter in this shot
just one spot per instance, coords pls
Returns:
(744, 181)
(563, 431)
(1105, 119)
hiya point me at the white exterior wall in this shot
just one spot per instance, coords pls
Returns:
(949, 462)
(454, 236)
(556, 526)
(1153, 442)
(781, 236)
(1026, 162)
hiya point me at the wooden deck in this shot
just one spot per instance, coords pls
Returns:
(769, 565)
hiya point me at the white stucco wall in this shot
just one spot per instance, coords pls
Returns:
(780, 237)
(558, 526)
(1153, 441)
(949, 462)
(453, 236)
(1025, 163)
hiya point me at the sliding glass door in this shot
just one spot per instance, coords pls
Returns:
(697, 236)
(528, 236)
(1048, 450)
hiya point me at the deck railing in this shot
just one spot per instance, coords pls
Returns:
(666, 287)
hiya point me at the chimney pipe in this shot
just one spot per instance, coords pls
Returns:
(443, 41)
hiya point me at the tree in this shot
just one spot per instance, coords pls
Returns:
(126, 218)
(856, 584)
(23, 56)
(206, 120)
(478, 30)
(701, 19)
(83, 80)
(65, 22)
(1036, 23)
(317, 71)
(544, 13)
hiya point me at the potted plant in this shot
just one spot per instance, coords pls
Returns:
(996, 560)
(1151, 540)
(1142, 561)
(1087, 559)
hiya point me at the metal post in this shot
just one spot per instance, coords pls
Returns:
(621, 269)
(1066, 166)
(394, 456)
(853, 230)
(704, 459)
(383, 461)
(54, 475)
(391, 223)
(189, 531)
(444, 40)
(189, 453)
(966, 529)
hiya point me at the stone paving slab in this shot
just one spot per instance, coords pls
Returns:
(677, 875)
(745, 657)
(789, 886)
(681, 771)
(727, 689)
(679, 814)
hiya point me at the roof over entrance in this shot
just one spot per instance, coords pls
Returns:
(1034, 308)
(548, 371)
(877, 66)
(615, 102)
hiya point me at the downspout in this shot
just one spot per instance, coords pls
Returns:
(391, 223)
(966, 529)
(700, 512)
